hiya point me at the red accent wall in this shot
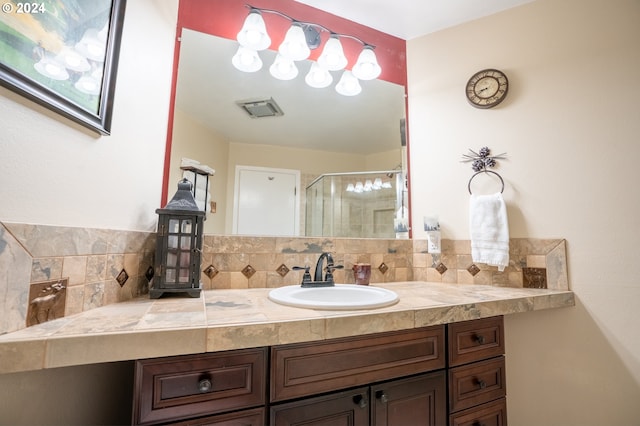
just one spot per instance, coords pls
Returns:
(224, 18)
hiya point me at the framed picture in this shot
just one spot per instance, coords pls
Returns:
(63, 54)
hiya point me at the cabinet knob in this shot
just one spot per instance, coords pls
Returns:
(481, 383)
(205, 385)
(380, 395)
(479, 338)
(360, 400)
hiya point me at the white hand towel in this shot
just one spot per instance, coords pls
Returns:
(489, 230)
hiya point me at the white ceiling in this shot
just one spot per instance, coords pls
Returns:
(408, 19)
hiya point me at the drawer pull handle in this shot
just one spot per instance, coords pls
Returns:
(360, 400)
(481, 383)
(479, 338)
(382, 396)
(204, 385)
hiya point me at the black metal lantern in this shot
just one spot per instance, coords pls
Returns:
(178, 245)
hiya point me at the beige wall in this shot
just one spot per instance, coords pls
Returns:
(55, 172)
(195, 141)
(570, 128)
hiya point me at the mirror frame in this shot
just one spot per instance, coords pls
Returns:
(224, 18)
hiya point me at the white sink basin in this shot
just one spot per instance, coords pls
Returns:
(340, 297)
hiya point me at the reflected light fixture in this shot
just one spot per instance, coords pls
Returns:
(299, 40)
(283, 68)
(318, 76)
(348, 84)
(246, 60)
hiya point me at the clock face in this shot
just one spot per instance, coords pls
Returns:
(487, 88)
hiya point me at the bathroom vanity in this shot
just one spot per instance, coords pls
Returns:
(445, 374)
(235, 354)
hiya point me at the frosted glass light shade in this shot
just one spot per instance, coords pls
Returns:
(283, 68)
(332, 56)
(318, 76)
(348, 84)
(246, 60)
(253, 34)
(367, 67)
(294, 46)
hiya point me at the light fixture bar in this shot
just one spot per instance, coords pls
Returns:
(310, 24)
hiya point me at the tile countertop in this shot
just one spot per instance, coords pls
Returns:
(233, 319)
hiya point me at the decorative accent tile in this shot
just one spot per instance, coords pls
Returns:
(149, 274)
(473, 269)
(211, 271)
(122, 277)
(282, 270)
(383, 268)
(46, 301)
(534, 277)
(248, 271)
(441, 268)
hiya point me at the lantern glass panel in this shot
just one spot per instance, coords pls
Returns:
(170, 276)
(174, 226)
(172, 242)
(184, 275)
(172, 260)
(186, 226)
(185, 242)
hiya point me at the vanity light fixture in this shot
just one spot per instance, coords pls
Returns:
(300, 39)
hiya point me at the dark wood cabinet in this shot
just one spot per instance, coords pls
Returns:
(436, 375)
(338, 408)
(476, 369)
(410, 401)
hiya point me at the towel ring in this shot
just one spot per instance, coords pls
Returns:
(485, 171)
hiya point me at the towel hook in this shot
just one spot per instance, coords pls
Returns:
(485, 171)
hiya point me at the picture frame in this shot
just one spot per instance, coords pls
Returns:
(63, 56)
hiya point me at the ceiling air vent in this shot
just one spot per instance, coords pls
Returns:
(259, 108)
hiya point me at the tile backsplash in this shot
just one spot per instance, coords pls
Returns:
(97, 267)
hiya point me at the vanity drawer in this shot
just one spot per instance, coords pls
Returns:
(310, 368)
(477, 383)
(489, 414)
(475, 340)
(253, 417)
(181, 387)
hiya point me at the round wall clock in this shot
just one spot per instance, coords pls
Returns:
(487, 88)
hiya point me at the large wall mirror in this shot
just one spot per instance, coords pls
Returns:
(333, 142)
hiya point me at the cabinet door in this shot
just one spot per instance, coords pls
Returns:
(411, 401)
(347, 408)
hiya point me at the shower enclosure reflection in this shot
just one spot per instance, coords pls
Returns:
(355, 205)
